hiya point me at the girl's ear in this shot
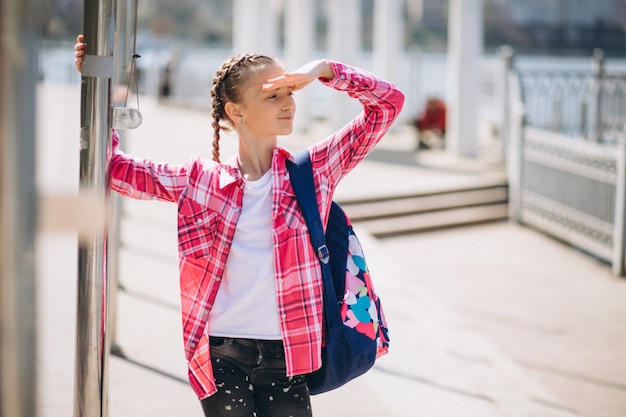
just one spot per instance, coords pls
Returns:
(232, 111)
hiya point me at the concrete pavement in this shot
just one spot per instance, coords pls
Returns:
(441, 291)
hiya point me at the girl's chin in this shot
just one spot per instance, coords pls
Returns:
(286, 130)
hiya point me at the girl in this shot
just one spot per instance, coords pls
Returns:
(250, 281)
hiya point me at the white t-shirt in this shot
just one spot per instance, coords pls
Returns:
(246, 304)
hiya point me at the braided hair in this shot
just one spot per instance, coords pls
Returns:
(227, 88)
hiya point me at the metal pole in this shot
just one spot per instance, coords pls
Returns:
(619, 230)
(20, 21)
(516, 146)
(584, 111)
(114, 203)
(557, 112)
(598, 75)
(505, 54)
(123, 118)
(92, 350)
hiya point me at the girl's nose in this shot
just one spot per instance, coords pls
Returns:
(290, 104)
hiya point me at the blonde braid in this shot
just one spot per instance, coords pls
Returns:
(227, 88)
(217, 105)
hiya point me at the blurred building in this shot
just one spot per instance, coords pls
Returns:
(546, 26)
(564, 25)
(567, 12)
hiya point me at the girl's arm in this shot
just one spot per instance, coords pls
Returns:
(303, 76)
(144, 179)
(141, 179)
(382, 102)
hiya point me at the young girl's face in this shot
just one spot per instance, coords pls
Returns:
(267, 113)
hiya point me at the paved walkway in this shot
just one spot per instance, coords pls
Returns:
(485, 321)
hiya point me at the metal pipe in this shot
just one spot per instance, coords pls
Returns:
(557, 112)
(505, 55)
(125, 16)
(517, 131)
(20, 21)
(584, 111)
(598, 75)
(619, 230)
(91, 394)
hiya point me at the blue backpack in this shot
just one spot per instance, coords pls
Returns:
(356, 330)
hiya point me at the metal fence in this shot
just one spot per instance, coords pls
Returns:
(579, 103)
(612, 106)
(567, 157)
(570, 189)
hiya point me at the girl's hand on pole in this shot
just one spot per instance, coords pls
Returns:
(79, 52)
(301, 77)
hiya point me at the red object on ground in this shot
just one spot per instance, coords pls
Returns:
(433, 117)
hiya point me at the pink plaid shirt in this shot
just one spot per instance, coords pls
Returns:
(209, 197)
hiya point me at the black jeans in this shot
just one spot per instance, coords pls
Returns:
(251, 381)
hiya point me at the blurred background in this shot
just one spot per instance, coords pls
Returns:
(555, 27)
(191, 38)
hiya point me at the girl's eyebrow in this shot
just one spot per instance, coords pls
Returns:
(278, 89)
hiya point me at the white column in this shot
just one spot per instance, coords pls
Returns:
(255, 26)
(465, 46)
(299, 46)
(344, 44)
(387, 47)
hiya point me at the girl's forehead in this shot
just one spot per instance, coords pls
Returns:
(270, 71)
(259, 76)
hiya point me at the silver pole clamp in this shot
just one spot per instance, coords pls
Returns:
(97, 66)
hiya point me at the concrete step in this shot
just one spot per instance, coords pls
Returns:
(454, 207)
(424, 203)
(422, 222)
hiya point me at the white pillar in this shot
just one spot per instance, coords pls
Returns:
(299, 45)
(465, 45)
(255, 26)
(344, 44)
(387, 46)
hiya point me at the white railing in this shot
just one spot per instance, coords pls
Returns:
(570, 187)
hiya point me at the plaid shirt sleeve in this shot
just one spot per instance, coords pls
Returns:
(334, 157)
(144, 179)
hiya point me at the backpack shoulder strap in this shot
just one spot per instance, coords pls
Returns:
(301, 175)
